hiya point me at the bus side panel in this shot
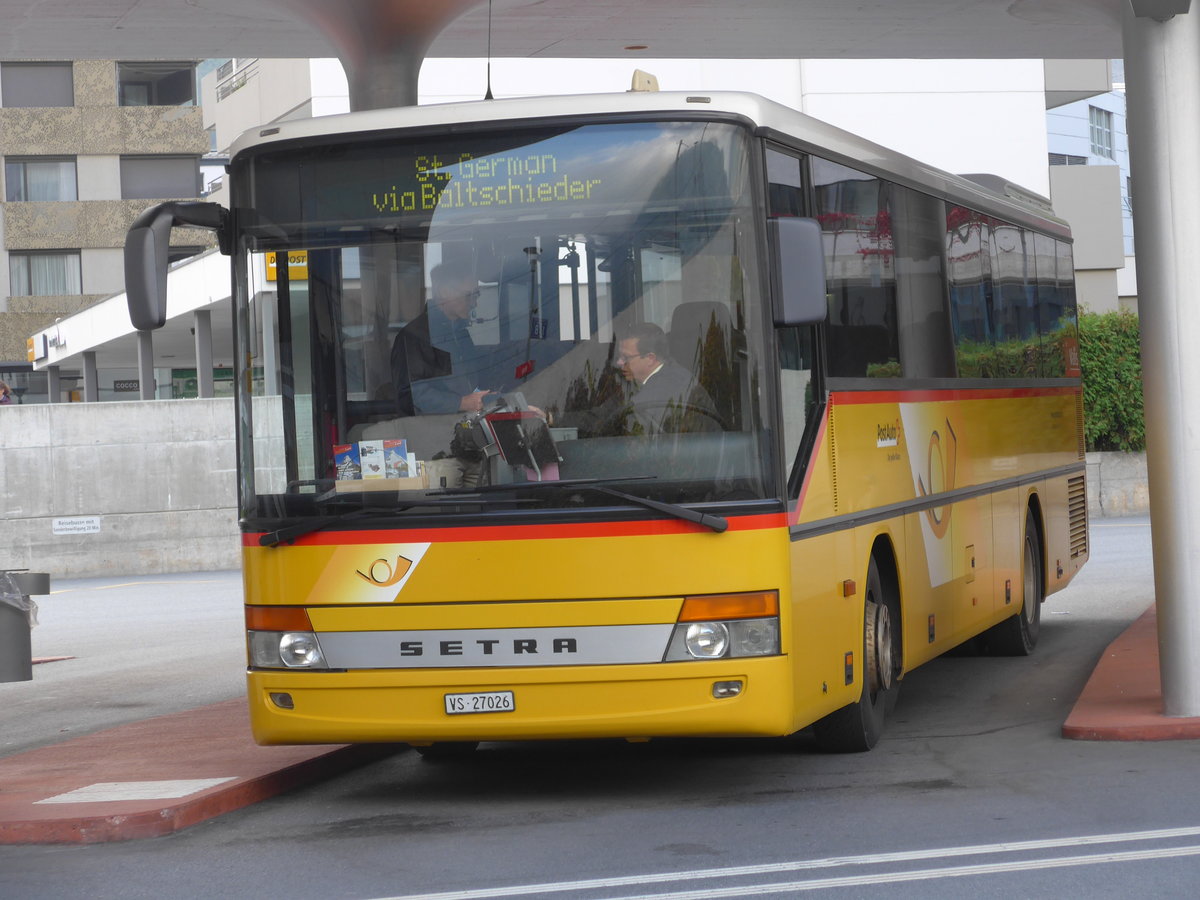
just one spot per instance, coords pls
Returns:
(826, 623)
(973, 564)
(1008, 529)
(927, 591)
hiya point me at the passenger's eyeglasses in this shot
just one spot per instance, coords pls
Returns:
(623, 358)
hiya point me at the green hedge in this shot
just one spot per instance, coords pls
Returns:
(1111, 362)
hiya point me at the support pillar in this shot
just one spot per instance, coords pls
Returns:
(53, 384)
(385, 79)
(202, 331)
(91, 378)
(1162, 76)
(382, 43)
(145, 345)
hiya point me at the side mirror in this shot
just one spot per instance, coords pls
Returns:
(799, 287)
(146, 246)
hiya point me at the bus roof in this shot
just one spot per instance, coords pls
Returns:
(986, 194)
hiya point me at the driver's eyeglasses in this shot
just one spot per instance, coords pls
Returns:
(627, 357)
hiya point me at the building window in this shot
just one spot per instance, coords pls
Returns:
(39, 178)
(1101, 121)
(44, 273)
(1066, 159)
(37, 84)
(156, 83)
(160, 177)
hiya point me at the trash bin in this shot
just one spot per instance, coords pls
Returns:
(18, 614)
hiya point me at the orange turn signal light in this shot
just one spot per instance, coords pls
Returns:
(708, 607)
(277, 618)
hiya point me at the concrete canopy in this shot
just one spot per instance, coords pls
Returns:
(750, 29)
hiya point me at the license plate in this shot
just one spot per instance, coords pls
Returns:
(488, 702)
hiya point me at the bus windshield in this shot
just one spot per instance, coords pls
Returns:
(503, 315)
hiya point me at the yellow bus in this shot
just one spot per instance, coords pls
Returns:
(631, 416)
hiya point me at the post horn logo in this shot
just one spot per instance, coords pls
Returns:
(381, 573)
(945, 460)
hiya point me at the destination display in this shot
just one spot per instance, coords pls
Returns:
(478, 183)
(562, 171)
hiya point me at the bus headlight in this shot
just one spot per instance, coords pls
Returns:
(706, 640)
(724, 640)
(285, 650)
(726, 626)
(754, 637)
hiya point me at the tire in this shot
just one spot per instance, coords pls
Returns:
(1018, 634)
(447, 751)
(859, 726)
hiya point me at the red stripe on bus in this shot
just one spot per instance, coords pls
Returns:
(525, 532)
(856, 398)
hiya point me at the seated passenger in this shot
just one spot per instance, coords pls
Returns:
(665, 396)
(436, 366)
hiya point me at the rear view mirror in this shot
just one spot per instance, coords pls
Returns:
(799, 284)
(146, 247)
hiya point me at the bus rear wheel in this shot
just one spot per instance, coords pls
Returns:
(859, 726)
(1018, 634)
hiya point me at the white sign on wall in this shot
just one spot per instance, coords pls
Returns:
(76, 525)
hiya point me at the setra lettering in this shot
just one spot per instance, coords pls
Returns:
(491, 647)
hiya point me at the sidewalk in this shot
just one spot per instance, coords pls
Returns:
(166, 773)
(1122, 701)
(155, 777)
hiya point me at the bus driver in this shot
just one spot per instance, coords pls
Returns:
(436, 366)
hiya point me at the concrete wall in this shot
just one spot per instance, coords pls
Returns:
(156, 479)
(1117, 485)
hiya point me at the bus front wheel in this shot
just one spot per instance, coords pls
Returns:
(858, 727)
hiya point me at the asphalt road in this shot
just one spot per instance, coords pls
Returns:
(972, 792)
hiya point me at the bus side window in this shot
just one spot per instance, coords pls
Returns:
(854, 210)
(795, 388)
(785, 197)
(918, 229)
(969, 264)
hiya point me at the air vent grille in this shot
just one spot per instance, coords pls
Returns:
(1077, 515)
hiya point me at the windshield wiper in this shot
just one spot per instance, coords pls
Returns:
(601, 486)
(289, 533)
(716, 523)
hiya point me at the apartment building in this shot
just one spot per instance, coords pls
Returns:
(1090, 185)
(86, 146)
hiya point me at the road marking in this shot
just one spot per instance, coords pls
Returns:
(814, 884)
(116, 791)
(864, 860)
